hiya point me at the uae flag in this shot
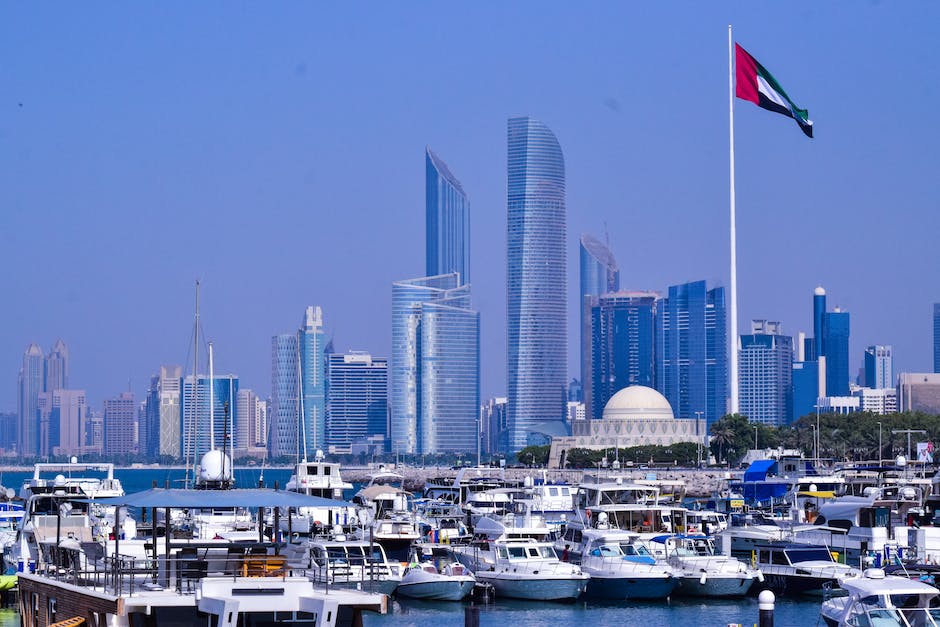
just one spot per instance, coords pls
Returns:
(753, 82)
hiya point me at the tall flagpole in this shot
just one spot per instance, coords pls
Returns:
(733, 340)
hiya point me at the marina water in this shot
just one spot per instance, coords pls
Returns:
(679, 612)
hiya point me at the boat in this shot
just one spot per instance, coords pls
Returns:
(323, 479)
(453, 582)
(440, 521)
(386, 516)
(703, 572)
(880, 600)
(622, 569)
(347, 563)
(790, 568)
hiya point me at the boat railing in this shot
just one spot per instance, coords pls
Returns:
(900, 617)
(708, 564)
(623, 565)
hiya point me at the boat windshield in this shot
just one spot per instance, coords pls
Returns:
(517, 552)
(632, 549)
(809, 554)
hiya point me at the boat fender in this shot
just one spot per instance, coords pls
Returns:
(703, 579)
(760, 576)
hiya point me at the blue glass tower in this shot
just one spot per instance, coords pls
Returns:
(765, 385)
(691, 356)
(447, 221)
(357, 398)
(537, 334)
(435, 366)
(819, 313)
(311, 343)
(879, 367)
(599, 275)
(836, 350)
(805, 388)
(196, 412)
(283, 412)
(622, 344)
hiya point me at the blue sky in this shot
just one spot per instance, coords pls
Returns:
(276, 153)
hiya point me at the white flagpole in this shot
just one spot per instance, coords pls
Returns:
(733, 340)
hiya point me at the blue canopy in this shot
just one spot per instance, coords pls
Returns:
(758, 470)
(196, 499)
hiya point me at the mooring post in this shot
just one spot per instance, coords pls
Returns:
(765, 603)
(471, 616)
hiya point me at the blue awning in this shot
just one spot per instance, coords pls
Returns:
(759, 470)
(196, 499)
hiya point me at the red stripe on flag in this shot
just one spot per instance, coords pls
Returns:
(745, 72)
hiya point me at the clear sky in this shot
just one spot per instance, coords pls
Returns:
(276, 152)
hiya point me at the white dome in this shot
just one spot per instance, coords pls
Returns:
(215, 466)
(819, 291)
(638, 401)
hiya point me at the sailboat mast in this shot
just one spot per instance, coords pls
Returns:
(191, 452)
(211, 403)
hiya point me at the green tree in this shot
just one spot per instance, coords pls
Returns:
(534, 455)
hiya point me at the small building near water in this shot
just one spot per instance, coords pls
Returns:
(634, 416)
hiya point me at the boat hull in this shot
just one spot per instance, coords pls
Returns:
(447, 589)
(715, 586)
(534, 588)
(601, 587)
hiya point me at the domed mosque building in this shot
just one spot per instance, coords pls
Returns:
(634, 416)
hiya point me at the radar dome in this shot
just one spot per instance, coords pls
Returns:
(215, 466)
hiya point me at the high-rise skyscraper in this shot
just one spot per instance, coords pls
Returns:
(284, 409)
(879, 367)
(691, 357)
(250, 422)
(836, 351)
(447, 221)
(120, 417)
(312, 344)
(765, 384)
(205, 425)
(57, 367)
(819, 314)
(622, 344)
(537, 329)
(599, 275)
(435, 366)
(160, 435)
(31, 384)
(936, 337)
(357, 399)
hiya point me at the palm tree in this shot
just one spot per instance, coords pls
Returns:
(722, 435)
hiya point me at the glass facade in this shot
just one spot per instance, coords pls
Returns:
(765, 386)
(598, 275)
(622, 344)
(194, 407)
(691, 351)
(31, 385)
(447, 221)
(879, 367)
(537, 331)
(836, 350)
(357, 398)
(283, 412)
(805, 388)
(435, 366)
(311, 343)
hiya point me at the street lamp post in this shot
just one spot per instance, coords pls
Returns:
(755, 437)
(478, 441)
(817, 431)
(698, 420)
(880, 448)
(908, 432)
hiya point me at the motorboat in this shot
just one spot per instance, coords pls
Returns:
(440, 521)
(453, 582)
(881, 600)
(323, 479)
(620, 568)
(703, 572)
(800, 568)
(347, 563)
(386, 515)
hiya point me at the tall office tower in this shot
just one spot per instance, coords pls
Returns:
(120, 416)
(936, 337)
(206, 426)
(250, 424)
(57, 367)
(357, 399)
(691, 356)
(836, 352)
(819, 314)
(160, 433)
(623, 348)
(284, 410)
(766, 380)
(494, 424)
(599, 275)
(94, 432)
(805, 379)
(447, 221)
(68, 422)
(311, 342)
(537, 327)
(879, 367)
(31, 384)
(8, 434)
(435, 366)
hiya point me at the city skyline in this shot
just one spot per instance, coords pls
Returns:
(173, 150)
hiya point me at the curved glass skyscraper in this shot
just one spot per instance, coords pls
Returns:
(537, 287)
(599, 275)
(447, 221)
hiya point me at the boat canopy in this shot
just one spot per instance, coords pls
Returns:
(203, 499)
(759, 469)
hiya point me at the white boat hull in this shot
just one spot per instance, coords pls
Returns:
(443, 589)
(715, 586)
(534, 587)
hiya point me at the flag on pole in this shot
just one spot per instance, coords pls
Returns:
(753, 82)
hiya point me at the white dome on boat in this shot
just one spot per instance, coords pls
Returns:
(215, 466)
(638, 402)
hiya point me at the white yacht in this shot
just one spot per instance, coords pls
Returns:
(452, 582)
(440, 521)
(347, 563)
(800, 568)
(620, 568)
(323, 479)
(386, 516)
(883, 601)
(704, 573)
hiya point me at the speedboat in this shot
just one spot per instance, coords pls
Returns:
(386, 515)
(884, 601)
(800, 568)
(704, 573)
(622, 569)
(453, 582)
